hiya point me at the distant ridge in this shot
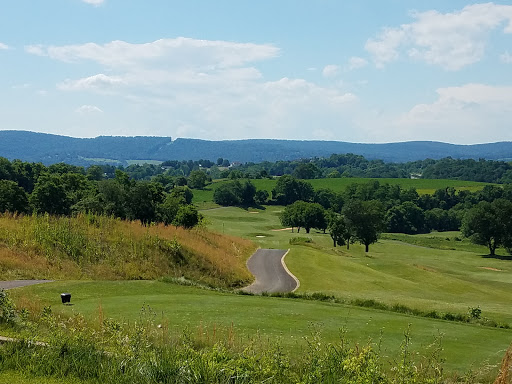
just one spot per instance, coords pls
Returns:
(49, 149)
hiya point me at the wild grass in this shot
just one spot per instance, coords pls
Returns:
(99, 247)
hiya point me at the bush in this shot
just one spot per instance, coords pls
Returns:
(300, 240)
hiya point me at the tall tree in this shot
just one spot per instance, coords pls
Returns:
(50, 196)
(489, 224)
(197, 180)
(366, 220)
(338, 230)
(144, 198)
(289, 190)
(12, 197)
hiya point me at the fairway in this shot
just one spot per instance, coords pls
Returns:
(437, 271)
(287, 321)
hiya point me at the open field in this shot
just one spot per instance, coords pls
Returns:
(427, 272)
(205, 196)
(286, 321)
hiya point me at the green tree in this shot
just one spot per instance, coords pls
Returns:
(247, 193)
(338, 229)
(289, 190)
(406, 218)
(95, 172)
(144, 198)
(187, 217)
(197, 180)
(306, 171)
(228, 194)
(261, 196)
(50, 196)
(489, 224)
(365, 219)
(305, 215)
(183, 194)
(12, 197)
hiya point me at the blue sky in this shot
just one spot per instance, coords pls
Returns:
(359, 71)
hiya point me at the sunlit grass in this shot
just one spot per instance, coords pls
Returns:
(107, 248)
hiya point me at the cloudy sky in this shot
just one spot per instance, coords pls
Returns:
(359, 71)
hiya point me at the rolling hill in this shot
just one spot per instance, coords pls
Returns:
(49, 149)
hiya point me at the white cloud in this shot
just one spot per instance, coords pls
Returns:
(3, 46)
(450, 40)
(467, 114)
(179, 52)
(96, 82)
(356, 63)
(88, 109)
(206, 89)
(330, 70)
(506, 58)
(94, 2)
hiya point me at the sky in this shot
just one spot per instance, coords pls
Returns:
(347, 70)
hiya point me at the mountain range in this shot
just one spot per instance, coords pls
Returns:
(49, 149)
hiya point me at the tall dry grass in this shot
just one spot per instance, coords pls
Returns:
(505, 375)
(99, 247)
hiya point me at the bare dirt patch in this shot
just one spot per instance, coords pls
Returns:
(491, 269)
(424, 268)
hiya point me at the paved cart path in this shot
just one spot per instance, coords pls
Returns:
(21, 283)
(269, 269)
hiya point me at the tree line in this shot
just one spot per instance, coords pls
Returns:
(351, 165)
(334, 166)
(362, 211)
(63, 189)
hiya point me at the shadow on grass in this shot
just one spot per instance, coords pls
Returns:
(498, 257)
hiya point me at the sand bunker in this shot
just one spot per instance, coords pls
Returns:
(282, 229)
(491, 269)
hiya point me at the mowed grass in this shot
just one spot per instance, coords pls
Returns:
(204, 198)
(426, 272)
(269, 320)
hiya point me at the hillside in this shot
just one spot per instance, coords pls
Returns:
(49, 149)
(99, 247)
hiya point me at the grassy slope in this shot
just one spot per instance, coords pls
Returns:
(205, 197)
(447, 280)
(106, 248)
(286, 320)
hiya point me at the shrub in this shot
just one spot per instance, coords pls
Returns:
(300, 240)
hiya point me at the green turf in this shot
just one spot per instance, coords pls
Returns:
(287, 320)
(426, 272)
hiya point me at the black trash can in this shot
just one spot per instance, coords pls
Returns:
(65, 297)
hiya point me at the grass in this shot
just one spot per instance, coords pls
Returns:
(425, 272)
(107, 248)
(16, 377)
(287, 321)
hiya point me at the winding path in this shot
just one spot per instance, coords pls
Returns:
(269, 269)
(21, 283)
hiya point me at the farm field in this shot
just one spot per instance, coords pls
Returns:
(438, 271)
(286, 321)
(204, 197)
